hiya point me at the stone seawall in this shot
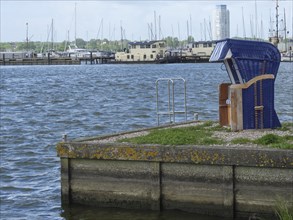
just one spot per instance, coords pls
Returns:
(231, 181)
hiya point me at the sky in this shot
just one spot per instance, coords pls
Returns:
(104, 19)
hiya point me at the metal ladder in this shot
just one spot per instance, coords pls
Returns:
(171, 104)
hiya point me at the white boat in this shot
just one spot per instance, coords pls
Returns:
(76, 52)
(287, 57)
(51, 53)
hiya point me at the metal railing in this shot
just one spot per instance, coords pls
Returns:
(171, 99)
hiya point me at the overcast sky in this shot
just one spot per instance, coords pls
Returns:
(134, 17)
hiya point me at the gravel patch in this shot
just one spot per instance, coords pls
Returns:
(113, 139)
(249, 134)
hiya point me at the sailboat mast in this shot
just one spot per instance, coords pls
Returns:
(210, 29)
(201, 31)
(285, 30)
(277, 21)
(187, 29)
(243, 24)
(190, 24)
(205, 29)
(52, 35)
(121, 29)
(75, 23)
(155, 23)
(179, 37)
(26, 36)
(255, 20)
(160, 30)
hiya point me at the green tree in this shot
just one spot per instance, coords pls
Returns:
(92, 44)
(190, 39)
(172, 42)
(61, 46)
(80, 43)
(5, 47)
(169, 41)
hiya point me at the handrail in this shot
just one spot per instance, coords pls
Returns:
(171, 105)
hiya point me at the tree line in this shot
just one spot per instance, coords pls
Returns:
(93, 44)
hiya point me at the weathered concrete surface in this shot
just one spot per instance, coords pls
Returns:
(259, 189)
(214, 180)
(198, 188)
(208, 155)
(126, 184)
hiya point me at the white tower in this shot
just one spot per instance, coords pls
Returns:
(221, 22)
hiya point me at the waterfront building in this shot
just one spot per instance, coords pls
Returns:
(145, 51)
(221, 22)
(202, 48)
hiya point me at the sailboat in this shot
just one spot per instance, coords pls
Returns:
(286, 52)
(74, 51)
(50, 52)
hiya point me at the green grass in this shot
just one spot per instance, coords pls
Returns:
(196, 135)
(202, 135)
(286, 126)
(269, 139)
(241, 141)
(275, 141)
(282, 210)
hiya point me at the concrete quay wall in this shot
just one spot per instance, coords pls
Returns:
(222, 181)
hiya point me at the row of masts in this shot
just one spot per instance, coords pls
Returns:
(153, 34)
(155, 31)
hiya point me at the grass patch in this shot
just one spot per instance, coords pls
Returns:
(276, 141)
(282, 210)
(269, 139)
(196, 135)
(202, 134)
(241, 141)
(286, 126)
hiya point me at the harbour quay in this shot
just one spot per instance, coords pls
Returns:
(155, 51)
(21, 58)
(39, 61)
(220, 180)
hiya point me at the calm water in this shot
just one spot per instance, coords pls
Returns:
(41, 103)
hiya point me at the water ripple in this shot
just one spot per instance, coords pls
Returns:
(41, 103)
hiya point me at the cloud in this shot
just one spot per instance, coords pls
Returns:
(133, 15)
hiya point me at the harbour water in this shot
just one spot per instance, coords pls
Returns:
(41, 103)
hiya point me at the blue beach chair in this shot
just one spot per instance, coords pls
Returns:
(252, 67)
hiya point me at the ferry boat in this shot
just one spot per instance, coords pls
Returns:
(201, 48)
(157, 51)
(194, 52)
(145, 51)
